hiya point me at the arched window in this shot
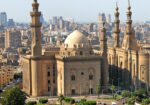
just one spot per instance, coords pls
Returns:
(48, 74)
(90, 52)
(73, 78)
(90, 77)
(81, 53)
(69, 54)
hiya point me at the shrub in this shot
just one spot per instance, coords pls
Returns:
(130, 101)
(90, 103)
(69, 100)
(43, 101)
(140, 95)
(13, 96)
(31, 103)
(115, 96)
(146, 101)
(82, 100)
(125, 94)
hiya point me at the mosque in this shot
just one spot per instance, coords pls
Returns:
(128, 62)
(73, 70)
(76, 69)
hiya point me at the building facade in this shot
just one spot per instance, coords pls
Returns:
(3, 18)
(6, 74)
(128, 64)
(74, 69)
(12, 38)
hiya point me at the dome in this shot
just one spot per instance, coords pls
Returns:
(76, 38)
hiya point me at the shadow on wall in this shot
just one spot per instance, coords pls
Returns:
(124, 79)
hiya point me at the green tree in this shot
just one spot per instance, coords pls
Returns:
(61, 98)
(140, 94)
(112, 89)
(13, 96)
(98, 89)
(125, 94)
(146, 101)
(17, 76)
(130, 101)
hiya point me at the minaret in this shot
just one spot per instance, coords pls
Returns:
(104, 67)
(103, 41)
(129, 41)
(116, 28)
(36, 30)
(129, 21)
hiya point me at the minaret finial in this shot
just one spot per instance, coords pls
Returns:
(129, 2)
(35, 6)
(116, 4)
(116, 27)
(35, 1)
(117, 7)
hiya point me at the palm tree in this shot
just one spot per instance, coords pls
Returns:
(112, 89)
(98, 89)
(61, 98)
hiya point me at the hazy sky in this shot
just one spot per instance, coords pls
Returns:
(80, 10)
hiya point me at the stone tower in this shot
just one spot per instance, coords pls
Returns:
(103, 41)
(36, 30)
(129, 41)
(116, 29)
(103, 47)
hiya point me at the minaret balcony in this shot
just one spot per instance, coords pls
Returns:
(36, 14)
(35, 25)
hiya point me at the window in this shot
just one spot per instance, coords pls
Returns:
(53, 66)
(82, 73)
(90, 90)
(53, 81)
(49, 88)
(48, 81)
(73, 92)
(81, 53)
(73, 78)
(90, 52)
(53, 72)
(48, 74)
(90, 77)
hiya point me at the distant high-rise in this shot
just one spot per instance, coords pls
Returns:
(54, 20)
(101, 19)
(42, 19)
(11, 23)
(61, 23)
(12, 38)
(108, 18)
(3, 18)
(71, 20)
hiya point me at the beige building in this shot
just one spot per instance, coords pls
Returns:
(74, 69)
(12, 38)
(6, 74)
(128, 64)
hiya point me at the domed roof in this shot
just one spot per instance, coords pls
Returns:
(75, 38)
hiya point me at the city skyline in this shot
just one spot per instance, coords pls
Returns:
(19, 10)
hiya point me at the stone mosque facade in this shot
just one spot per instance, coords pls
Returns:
(74, 69)
(77, 69)
(128, 63)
